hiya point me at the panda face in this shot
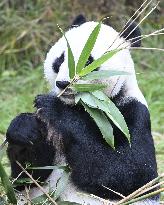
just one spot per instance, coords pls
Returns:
(56, 64)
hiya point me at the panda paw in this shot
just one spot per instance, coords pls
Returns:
(42, 101)
(45, 105)
(24, 130)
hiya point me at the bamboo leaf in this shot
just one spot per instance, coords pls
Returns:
(103, 74)
(71, 61)
(7, 185)
(88, 87)
(97, 63)
(39, 200)
(55, 194)
(67, 203)
(102, 123)
(77, 98)
(100, 96)
(49, 167)
(61, 185)
(99, 100)
(88, 48)
(113, 113)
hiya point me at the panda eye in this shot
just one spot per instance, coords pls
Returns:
(57, 63)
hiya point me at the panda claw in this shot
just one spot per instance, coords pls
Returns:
(46, 101)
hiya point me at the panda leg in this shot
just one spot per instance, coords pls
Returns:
(26, 136)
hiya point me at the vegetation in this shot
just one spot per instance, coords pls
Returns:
(27, 28)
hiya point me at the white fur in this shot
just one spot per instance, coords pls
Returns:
(77, 38)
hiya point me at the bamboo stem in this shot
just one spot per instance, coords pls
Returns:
(140, 189)
(144, 197)
(114, 192)
(35, 182)
(71, 83)
(150, 188)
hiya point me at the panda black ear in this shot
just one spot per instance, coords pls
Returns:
(130, 33)
(80, 19)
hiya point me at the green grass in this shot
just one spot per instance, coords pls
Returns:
(18, 92)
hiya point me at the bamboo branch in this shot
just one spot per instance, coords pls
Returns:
(114, 192)
(36, 183)
(150, 188)
(141, 189)
(131, 22)
(143, 197)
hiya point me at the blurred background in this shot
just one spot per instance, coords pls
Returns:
(28, 28)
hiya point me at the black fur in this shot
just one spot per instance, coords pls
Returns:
(93, 162)
(89, 61)
(136, 33)
(56, 65)
(27, 144)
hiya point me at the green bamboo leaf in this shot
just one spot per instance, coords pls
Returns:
(67, 203)
(88, 48)
(39, 200)
(97, 63)
(103, 74)
(100, 95)
(102, 123)
(61, 185)
(87, 98)
(71, 61)
(88, 87)
(77, 98)
(55, 194)
(49, 167)
(99, 100)
(7, 186)
(23, 181)
(112, 112)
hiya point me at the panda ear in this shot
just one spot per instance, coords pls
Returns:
(132, 31)
(80, 19)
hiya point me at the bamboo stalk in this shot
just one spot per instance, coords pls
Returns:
(129, 21)
(36, 183)
(114, 192)
(150, 188)
(144, 197)
(141, 189)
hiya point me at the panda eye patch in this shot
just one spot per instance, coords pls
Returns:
(89, 61)
(57, 63)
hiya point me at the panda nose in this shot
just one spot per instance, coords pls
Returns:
(62, 84)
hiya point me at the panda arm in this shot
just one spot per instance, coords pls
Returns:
(26, 136)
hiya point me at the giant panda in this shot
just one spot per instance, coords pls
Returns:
(61, 133)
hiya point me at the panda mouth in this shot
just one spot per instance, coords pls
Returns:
(68, 98)
(68, 95)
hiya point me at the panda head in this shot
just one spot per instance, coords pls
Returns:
(56, 63)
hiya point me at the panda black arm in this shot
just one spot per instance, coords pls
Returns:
(26, 136)
(124, 170)
(92, 161)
